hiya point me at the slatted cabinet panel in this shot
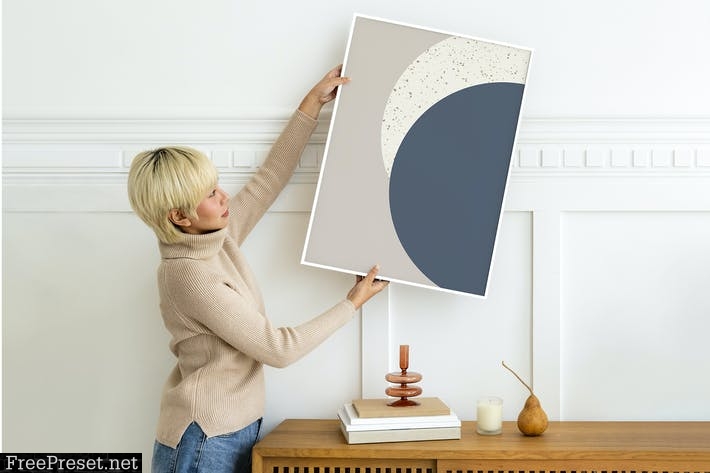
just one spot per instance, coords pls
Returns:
(304, 465)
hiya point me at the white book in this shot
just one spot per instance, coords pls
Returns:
(352, 423)
(401, 435)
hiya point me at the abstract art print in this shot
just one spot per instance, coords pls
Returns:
(418, 155)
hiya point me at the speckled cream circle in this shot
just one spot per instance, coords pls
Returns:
(447, 67)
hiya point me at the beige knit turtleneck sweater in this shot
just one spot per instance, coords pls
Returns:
(212, 307)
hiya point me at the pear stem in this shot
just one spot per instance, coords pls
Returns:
(519, 379)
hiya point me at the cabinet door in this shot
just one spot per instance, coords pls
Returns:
(574, 466)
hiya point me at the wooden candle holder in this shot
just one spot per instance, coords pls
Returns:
(403, 391)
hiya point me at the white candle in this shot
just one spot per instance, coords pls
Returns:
(489, 415)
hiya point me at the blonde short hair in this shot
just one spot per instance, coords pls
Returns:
(168, 178)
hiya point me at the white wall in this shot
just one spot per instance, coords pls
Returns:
(599, 285)
(233, 58)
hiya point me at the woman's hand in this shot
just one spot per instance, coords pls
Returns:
(323, 92)
(366, 287)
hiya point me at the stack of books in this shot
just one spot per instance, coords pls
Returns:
(373, 421)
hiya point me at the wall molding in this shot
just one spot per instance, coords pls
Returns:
(561, 129)
(548, 145)
(66, 156)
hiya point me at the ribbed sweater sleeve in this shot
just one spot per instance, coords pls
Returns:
(255, 198)
(196, 295)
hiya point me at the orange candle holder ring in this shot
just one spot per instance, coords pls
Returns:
(403, 379)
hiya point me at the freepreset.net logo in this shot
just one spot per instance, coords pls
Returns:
(71, 462)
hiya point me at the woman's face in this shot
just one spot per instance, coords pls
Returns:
(212, 213)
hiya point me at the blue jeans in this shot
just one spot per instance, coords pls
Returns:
(196, 453)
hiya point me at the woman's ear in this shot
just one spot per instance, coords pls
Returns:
(178, 218)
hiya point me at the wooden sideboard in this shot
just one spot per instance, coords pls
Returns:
(317, 446)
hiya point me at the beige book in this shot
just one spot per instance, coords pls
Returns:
(428, 406)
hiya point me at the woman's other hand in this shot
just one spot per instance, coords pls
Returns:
(366, 287)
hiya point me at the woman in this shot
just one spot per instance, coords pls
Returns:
(213, 400)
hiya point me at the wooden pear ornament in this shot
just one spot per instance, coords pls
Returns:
(532, 420)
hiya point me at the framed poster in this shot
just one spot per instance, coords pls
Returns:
(418, 155)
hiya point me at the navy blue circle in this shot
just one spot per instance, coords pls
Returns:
(448, 180)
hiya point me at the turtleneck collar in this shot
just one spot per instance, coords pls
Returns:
(201, 246)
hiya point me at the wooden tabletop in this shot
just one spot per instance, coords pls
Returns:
(562, 440)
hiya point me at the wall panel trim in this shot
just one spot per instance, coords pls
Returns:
(559, 164)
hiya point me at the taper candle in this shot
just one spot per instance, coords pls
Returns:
(403, 357)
